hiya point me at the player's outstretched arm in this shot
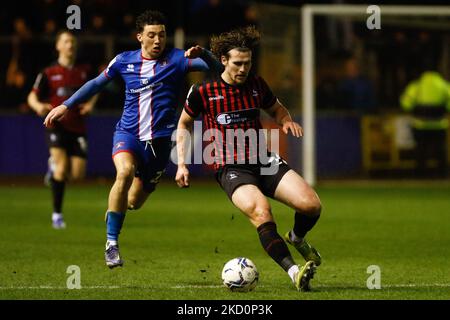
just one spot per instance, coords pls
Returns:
(88, 90)
(282, 117)
(183, 141)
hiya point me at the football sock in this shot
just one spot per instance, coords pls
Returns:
(303, 223)
(292, 272)
(111, 243)
(56, 215)
(57, 194)
(274, 245)
(114, 222)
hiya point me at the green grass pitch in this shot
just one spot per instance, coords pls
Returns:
(175, 247)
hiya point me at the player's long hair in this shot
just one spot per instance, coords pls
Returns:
(243, 39)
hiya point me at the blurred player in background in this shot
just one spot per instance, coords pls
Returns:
(142, 143)
(66, 139)
(233, 101)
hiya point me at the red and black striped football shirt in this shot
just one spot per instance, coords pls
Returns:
(56, 84)
(231, 114)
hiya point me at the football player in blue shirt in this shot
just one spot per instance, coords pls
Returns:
(142, 143)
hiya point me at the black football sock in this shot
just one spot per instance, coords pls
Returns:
(304, 223)
(57, 194)
(275, 245)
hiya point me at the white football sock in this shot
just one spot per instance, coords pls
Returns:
(294, 237)
(292, 272)
(111, 243)
(56, 216)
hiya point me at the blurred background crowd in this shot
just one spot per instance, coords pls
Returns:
(356, 69)
(359, 72)
(28, 29)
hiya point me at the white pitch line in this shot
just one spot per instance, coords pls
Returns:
(388, 286)
(413, 285)
(110, 287)
(59, 288)
(197, 287)
(409, 285)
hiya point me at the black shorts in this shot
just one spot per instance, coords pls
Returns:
(230, 177)
(75, 144)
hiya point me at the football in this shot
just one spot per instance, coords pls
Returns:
(240, 274)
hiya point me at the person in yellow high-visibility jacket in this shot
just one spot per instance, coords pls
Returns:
(428, 99)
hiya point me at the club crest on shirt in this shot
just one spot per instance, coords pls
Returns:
(119, 145)
(232, 175)
(56, 77)
(64, 91)
(130, 67)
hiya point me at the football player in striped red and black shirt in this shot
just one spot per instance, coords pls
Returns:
(233, 102)
(67, 139)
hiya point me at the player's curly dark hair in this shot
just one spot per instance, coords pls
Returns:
(149, 17)
(243, 39)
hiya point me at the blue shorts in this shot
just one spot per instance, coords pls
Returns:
(152, 156)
